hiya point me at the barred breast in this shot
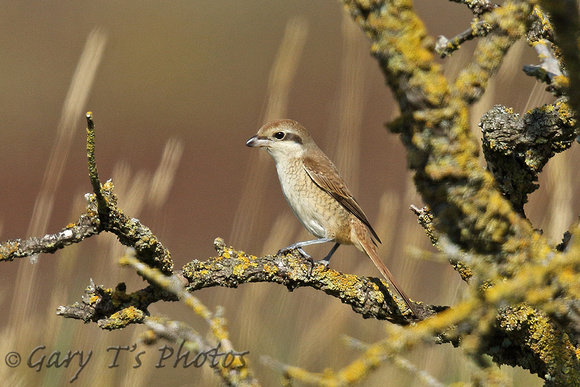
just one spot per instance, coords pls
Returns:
(319, 212)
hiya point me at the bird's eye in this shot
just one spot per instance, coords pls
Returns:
(279, 135)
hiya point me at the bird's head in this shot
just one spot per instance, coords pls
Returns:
(283, 139)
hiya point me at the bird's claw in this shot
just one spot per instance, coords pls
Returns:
(313, 263)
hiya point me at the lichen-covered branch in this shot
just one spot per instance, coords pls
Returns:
(233, 369)
(472, 219)
(517, 148)
(102, 207)
(566, 23)
(548, 72)
(464, 200)
(425, 219)
(370, 297)
(130, 231)
(374, 355)
(101, 214)
(508, 23)
(113, 308)
(552, 69)
(444, 47)
(85, 227)
(484, 324)
(523, 301)
(478, 7)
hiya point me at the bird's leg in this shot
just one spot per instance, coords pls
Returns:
(326, 260)
(299, 245)
(303, 253)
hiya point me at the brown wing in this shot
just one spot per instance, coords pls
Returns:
(324, 174)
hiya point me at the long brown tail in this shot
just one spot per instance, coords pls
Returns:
(371, 250)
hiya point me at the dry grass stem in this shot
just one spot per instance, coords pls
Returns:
(72, 110)
(281, 77)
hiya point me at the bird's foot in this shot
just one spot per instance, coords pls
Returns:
(324, 261)
(304, 255)
(298, 246)
(288, 249)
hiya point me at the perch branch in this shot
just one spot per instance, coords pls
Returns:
(114, 308)
(370, 297)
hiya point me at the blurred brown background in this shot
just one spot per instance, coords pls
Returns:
(196, 74)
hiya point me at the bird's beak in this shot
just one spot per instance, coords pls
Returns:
(257, 141)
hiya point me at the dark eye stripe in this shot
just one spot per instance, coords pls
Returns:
(293, 137)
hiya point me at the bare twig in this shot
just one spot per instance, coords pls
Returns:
(231, 366)
(566, 24)
(102, 214)
(102, 207)
(444, 47)
(549, 69)
(233, 371)
(478, 7)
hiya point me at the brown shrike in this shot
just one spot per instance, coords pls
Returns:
(318, 195)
